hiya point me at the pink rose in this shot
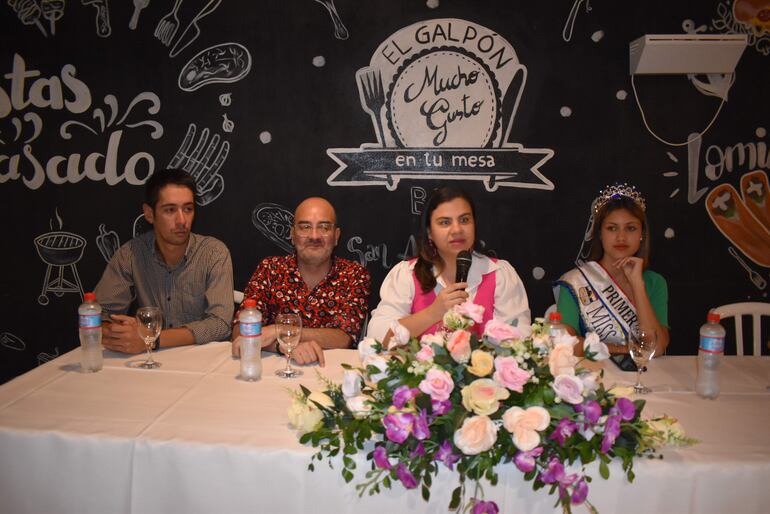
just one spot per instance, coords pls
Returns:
(477, 434)
(437, 384)
(508, 373)
(569, 388)
(471, 310)
(425, 354)
(562, 360)
(498, 331)
(459, 345)
(524, 425)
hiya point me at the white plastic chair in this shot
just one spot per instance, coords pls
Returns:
(736, 310)
(549, 310)
(237, 296)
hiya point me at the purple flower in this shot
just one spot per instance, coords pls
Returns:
(592, 411)
(441, 407)
(381, 458)
(625, 408)
(445, 455)
(580, 492)
(398, 426)
(421, 430)
(553, 473)
(611, 432)
(525, 461)
(418, 451)
(406, 476)
(482, 507)
(403, 394)
(563, 430)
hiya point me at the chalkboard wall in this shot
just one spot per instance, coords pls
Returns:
(371, 104)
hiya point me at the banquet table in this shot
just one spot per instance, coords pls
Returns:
(191, 437)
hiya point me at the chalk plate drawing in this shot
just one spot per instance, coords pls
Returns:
(138, 6)
(103, 27)
(569, 25)
(44, 357)
(745, 17)
(440, 112)
(28, 12)
(417, 198)
(225, 99)
(107, 242)
(275, 222)
(12, 342)
(30, 119)
(166, 28)
(192, 31)
(105, 123)
(340, 31)
(60, 251)
(203, 162)
(228, 62)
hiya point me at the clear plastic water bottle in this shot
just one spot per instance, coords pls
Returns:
(555, 327)
(712, 347)
(250, 341)
(90, 323)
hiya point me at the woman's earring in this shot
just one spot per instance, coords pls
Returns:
(433, 249)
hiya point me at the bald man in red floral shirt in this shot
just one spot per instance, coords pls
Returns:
(331, 294)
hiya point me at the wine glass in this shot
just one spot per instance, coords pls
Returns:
(149, 322)
(288, 328)
(642, 346)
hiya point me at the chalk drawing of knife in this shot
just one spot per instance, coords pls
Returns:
(755, 277)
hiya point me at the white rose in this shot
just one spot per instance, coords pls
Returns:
(366, 348)
(434, 338)
(593, 344)
(562, 360)
(304, 417)
(400, 335)
(351, 383)
(590, 382)
(358, 406)
(378, 362)
(569, 388)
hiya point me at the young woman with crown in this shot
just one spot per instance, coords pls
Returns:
(612, 292)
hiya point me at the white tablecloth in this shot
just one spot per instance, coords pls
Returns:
(190, 437)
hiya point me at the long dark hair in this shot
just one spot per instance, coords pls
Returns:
(596, 251)
(427, 256)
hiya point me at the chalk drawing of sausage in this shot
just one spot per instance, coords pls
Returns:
(228, 62)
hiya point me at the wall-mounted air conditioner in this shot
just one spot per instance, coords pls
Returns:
(686, 53)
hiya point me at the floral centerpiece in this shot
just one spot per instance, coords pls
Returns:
(471, 403)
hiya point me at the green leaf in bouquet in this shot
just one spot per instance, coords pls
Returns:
(305, 390)
(455, 501)
(349, 463)
(386, 482)
(347, 475)
(604, 470)
(425, 493)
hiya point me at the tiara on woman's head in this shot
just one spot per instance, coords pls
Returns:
(617, 191)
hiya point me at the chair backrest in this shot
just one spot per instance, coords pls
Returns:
(549, 310)
(754, 309)
(237, 296)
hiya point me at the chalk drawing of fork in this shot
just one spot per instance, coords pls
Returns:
(203, 162)
(372, 97)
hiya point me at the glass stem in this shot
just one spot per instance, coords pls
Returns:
(149, 353)
(288, 369)
(638, 378)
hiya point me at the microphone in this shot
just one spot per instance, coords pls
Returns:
(463, 265)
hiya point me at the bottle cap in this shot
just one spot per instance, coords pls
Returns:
(89, 297)
(555, 316)
(250, 303)
(713, 316)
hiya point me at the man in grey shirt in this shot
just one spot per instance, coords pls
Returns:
(189, 276)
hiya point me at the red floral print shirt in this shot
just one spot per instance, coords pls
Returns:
(340, 300)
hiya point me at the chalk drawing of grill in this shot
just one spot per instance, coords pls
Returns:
(60, 251)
